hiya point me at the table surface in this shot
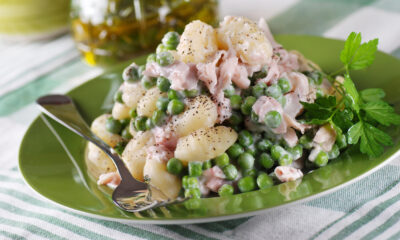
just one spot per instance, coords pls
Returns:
(369, 208)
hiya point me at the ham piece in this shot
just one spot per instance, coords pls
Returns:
(287, 173)
(165, 137)
(111, 179)
(160, 153)
(182, 75)
(325, 137)
(212, 179)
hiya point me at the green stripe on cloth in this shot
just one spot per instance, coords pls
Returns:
(123, 228)
(389, 188)
(12, 235)
(14, 101)
(223, 226)
(30, 228)
(186, 232)
(395, 236)
(366, 218)
(53, 220)
(386, 225)
(314, 16)
(356, 194)
(4, 178)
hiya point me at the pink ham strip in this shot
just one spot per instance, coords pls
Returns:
(287, 173)
(264, 105)
(160, 153)
(290, 137)
(165, 137)
(112, 179)
(213, 179)
(325, 137)
(182, 75)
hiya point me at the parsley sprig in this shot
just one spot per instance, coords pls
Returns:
(356, 114)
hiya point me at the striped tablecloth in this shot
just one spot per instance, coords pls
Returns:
(368, 209)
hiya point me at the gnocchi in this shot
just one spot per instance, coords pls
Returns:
(147, 104)
(132, 93)
(120, 111)
(99, 128)
(205, 144)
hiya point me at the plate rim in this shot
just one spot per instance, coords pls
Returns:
(198, 220)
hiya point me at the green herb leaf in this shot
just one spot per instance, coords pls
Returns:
(350, 47)
(343, 119)
(351, 91)
(373, 140)
(354, 133)
(382, 112)
(320, 111)
(372, 94)
(365, 55)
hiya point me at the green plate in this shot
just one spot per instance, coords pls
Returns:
(57, 171)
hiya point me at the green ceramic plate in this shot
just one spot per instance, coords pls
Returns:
(57, 172)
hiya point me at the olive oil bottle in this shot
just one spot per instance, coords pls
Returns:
(109, 31)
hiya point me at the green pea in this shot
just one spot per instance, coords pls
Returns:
(235, 119)
(341, 141)
(149, 124)
(230, 172)
(284, 84)
(260, 74)
(161, 48)
(190, 93)
(245, 138)
(195, 169)
(170, 40)
(229, 91)
(296, 151)
(225, 190)
(172, 94)
(175, 106)
(126, 134)
(140, 123)
(306, 142)
(192, 204)
(192, 182)
(124, 122)
(165, 59)
(235, 150)
(282, 100)
(247, 184)
(273, 119)
(151, 58)
(264, 181)
(185, 182)
(120, 147)
(133, 113)
(254, 116)
(315, 77)
(131, 74)
(251, 149)
(264, 145)
(192, 193)
(274, 91)
(277, 152)
(163, 84)
(236, 101)
(259, 89)
(321, 159)
(207, 164)
(222, 160)
(113, 125)
(247, 105)
(334, 153)
(158, 117)
(148, 82)
(285, 160)
(249, 172)
(174, 166)
(140, 71)
(162, 103)
(266, 160)
(118, 97)
(246, 161)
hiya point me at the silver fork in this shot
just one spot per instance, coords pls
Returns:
(130, 195)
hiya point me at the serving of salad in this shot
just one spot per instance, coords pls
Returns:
(227, 110)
